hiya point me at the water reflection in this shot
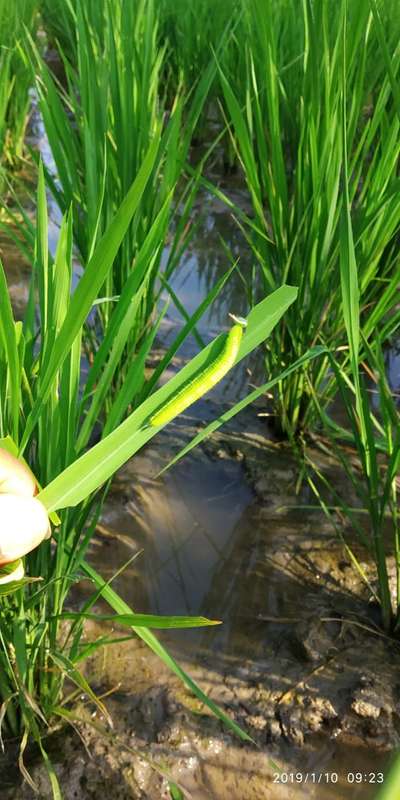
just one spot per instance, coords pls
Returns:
(210, 548)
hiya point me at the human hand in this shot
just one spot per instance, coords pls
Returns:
(24, 522)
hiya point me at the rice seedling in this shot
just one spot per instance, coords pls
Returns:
(100, 130)
(191, 32)
(193, 35)
(186, 33)
(15, 78)
(285, 117)
(101, 127)
(374, 434)
(42, 380)
(58, 18)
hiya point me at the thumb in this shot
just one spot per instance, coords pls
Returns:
(24, 524)
(15, 477)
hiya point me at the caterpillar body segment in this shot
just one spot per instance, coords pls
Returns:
(197, 387)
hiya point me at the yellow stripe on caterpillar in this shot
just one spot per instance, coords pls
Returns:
(202, 384)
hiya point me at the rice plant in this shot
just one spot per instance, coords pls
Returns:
(58, 18)
(42, 380)
(285, 117)
(100, 130)
(374, 431)
(191, 32)
(101, 127)
(373, 434)
(15, 78)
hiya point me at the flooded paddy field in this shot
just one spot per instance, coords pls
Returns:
(299, 661)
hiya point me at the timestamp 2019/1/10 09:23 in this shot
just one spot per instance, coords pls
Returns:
(327, 777)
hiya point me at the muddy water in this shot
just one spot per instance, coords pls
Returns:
(209, 546)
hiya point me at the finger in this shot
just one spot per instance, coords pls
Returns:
(16, 575)
(24, 524)
(15, 477)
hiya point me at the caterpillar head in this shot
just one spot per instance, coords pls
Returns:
(239, 320)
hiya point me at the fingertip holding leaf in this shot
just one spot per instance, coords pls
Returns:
(24, 519)
(24, 525)
(15, 477)
(12, 572)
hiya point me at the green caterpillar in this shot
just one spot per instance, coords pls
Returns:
(197, 387)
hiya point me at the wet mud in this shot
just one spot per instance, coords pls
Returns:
(299, 661)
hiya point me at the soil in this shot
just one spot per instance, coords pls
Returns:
(18, 274)
(300, 662)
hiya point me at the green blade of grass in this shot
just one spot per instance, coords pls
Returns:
(8, 340)
(152, 642)
(98, 464)
(144, 620)
(89, 286)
